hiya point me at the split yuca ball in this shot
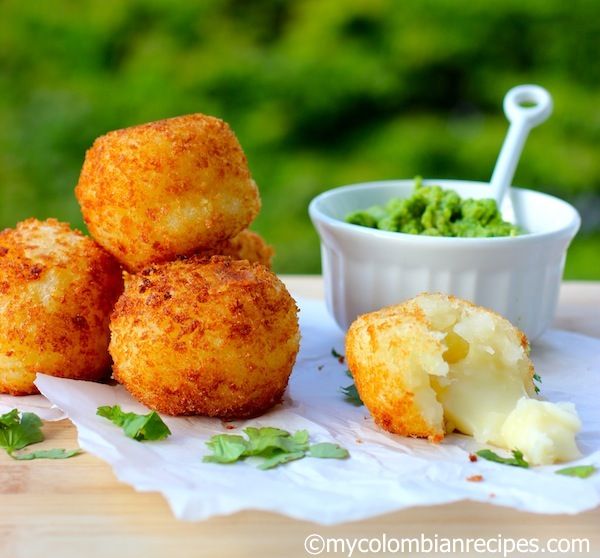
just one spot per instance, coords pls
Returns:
(436, 364)
(57, 290)
(246, 245)
(215, 337)
(153, 192)
(410, 362)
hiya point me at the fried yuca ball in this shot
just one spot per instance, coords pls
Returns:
(174, 187)
(215, 337)
(57, 290)
(436, 364)
(246, 245)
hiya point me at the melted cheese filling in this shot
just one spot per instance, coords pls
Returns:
(487, 390)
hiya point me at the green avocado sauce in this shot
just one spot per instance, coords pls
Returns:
(433, 211)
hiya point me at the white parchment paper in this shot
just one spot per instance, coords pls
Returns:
(385, 472)
(37, 404)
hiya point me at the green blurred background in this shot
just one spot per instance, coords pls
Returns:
(320, 93)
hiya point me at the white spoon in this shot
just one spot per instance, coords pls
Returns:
(522, 119)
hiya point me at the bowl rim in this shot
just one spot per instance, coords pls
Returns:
(317, 214)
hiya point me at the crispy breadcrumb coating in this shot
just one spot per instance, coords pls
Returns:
(174, 187)
(57, 290)
(215, 337)
(247, 245)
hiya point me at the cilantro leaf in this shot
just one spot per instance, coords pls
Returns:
(351, 395)
(581, 471)
(18, 431)
(301, 437)
(274, 445)
(10, 419)
(264, 439)
(46, 454)
(516, 460)
(327, 450)
(280, 458)
(267, 440)
(226, 448)
(148, 427)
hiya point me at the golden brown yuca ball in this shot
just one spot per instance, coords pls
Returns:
(174, 187)
(215, 337)
(246, 245)
(57, 290)
(435, 364)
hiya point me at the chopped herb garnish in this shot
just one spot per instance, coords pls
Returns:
(280, 458)
(536, 378)
(351, 395)
(274, 445)
(269, 440)
(516, 460)
(335, 354)
(19, 430)
(46, 454)
(226, 448)
(142, 428)
(581, 471)
(327, 450)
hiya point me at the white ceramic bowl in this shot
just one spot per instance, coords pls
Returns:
(366, 269)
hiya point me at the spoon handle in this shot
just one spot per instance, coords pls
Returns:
(525, 106)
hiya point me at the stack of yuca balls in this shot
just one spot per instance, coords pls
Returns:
(203, 326)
